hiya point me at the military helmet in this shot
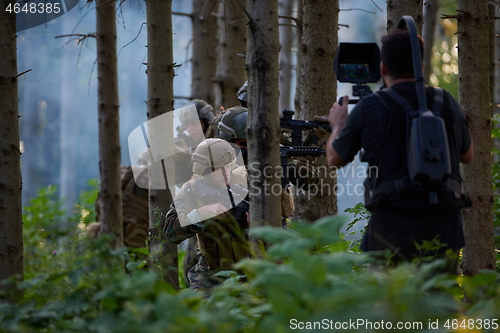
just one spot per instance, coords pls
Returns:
(143, 159)
(233, 123)
(204, 110)
(212, 154)
(243, 94)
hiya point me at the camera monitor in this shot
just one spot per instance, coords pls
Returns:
(357, 62)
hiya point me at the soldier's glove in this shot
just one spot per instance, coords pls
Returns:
(285, 135)
(303, 172)
(322, 134)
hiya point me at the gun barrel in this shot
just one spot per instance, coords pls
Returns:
(301, 151)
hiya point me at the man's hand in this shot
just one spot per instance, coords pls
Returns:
(212, 210)
(338, 116)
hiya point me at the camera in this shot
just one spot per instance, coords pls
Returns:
(357, 63)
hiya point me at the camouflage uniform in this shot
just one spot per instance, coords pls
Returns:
(222, 239)
(184, 146)
(135, 211)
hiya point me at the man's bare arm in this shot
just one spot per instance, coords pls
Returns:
(469, 155)
(338, 118)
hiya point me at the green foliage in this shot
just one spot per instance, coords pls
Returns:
(307, 274)
(85, 208)
(360, 214)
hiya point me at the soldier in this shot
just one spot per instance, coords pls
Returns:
(196, 125)
(135, 208)
(221, 238)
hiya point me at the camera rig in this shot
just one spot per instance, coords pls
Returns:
(357, 63)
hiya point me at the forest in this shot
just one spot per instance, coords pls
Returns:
(151, 169)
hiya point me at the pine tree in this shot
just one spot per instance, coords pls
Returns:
(263, 118)
(160, 100)
(11, 225)
(318, 89)
(398, 8)
(474, 95)
(204, 58)
(108, 113)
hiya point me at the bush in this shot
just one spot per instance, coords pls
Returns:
(306, 276)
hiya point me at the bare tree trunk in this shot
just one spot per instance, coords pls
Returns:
(11, 224)
(160, 101)
(232, 41)
(397, 8)
(496, 103)
(429, 28)
(474, 93)
(204, 60)
(298, 57)
(285, 60)
(263, 118)
(318, 93)
(109, 132)
(495, 54)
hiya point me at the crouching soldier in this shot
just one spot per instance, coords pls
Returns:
(206, 207)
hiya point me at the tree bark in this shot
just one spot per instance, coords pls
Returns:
(474, 94)
(496, 64)
(204, 60)
(285, 58)
(429, 28)
(232, 41)
(318, 92)
(160, 100)
(11, 225)
(397, 8)
(263, 116)
(108, 113)
(298, 57)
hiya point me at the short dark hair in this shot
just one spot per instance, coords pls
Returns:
(396, 53)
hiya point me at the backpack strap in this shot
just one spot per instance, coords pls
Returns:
(438, 101)
(399, 99)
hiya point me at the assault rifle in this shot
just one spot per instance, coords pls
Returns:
(226, 196)
(297, 126)
(300, 151)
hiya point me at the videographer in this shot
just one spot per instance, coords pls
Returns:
(402, 218)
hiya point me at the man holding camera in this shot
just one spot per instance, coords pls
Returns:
(403, 220)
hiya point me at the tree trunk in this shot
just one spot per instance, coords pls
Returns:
(203, 60)
(318, 92)
(429, 28)
(11, 224)
(160, 100)
(232, 41)
(285, 59)
(474, 94)
(108, 112)
(397, 8)
(298, 57)
(263, 116)
(496, 103)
